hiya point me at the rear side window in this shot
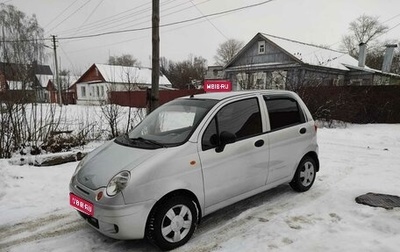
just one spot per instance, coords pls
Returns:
(283, 112)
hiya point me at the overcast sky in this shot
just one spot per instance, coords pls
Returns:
(322, 22)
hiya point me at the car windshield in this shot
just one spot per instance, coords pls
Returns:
(169, 125)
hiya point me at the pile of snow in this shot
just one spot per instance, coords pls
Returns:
(357, 159)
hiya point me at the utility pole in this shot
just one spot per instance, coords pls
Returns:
(57, 79)
(155, 60)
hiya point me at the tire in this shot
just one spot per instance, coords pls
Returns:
(172, 222)
(305, 175)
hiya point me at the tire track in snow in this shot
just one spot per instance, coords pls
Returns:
(237, 219)
(39, 229)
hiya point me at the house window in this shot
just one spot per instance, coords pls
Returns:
(98, 91)
(215, 73)
(261, 47)
(83, 91)
(102, 91)
(356, 82)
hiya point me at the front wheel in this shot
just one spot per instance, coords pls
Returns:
(305, 175)
(172, 222)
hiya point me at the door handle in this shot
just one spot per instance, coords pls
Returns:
(259, 143)
(303, 130)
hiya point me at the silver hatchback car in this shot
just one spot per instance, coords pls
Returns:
(191, 157)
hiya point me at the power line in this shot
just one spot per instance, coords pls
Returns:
(169, 24)
(60, 14)
(104, 24)
(216, 28)
(73, 13)
(112, 19)
(222, 13)
(90, 15)
(391, 18)
(127, 17)
(393, 27)
(132, 39)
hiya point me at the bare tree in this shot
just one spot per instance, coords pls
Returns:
(227, 50)
(22, 48)
(185, 73)
(364, 29)
(367, 29)
(123, 60)
(114, 113)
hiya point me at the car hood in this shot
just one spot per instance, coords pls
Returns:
(111, 158)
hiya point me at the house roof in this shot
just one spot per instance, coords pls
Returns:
(124, 74)
(44, 79)
(19, 72)
(312, 54)
(43, 69)
(306, 53)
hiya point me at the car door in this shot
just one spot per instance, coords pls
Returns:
(289, 136)
(235, 168)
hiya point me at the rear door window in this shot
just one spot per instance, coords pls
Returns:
(283, 112)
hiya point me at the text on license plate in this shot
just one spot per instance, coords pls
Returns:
(81, 205)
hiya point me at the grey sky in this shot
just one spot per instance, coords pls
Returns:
(321, 22)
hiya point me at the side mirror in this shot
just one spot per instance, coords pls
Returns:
(225, 138)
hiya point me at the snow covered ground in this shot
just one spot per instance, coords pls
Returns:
(35, 214)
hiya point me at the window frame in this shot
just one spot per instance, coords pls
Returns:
(261, 47)
(217, 123)
(83, 91)
(302, 115)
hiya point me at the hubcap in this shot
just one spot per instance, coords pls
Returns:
(307, 174)
(176, 223)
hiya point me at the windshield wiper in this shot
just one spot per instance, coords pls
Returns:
(148, 141)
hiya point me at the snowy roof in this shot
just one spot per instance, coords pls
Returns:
(44, 79)
(314, 55)
(124, 74)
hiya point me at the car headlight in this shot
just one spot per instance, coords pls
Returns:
(118, 183)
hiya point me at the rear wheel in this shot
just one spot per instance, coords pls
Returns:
(305, 175)
(172, 222)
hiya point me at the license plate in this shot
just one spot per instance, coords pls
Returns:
(81, 205)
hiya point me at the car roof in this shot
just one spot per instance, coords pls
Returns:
(225, 95)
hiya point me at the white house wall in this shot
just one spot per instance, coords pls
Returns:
(91, 93)
(97, 93)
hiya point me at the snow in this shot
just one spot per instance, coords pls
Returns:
(356, 159)
(125, 74)
(314, 55)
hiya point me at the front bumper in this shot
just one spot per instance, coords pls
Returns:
(123, 222)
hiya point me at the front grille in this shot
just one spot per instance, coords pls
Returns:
(91, 220)
(85, 192)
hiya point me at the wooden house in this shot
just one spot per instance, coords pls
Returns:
(94, 86)
(25, 83)
(271, 62)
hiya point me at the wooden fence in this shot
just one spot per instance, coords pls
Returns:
(356, 104)
(138, 99)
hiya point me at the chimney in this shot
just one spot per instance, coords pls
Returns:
(388, 58)
(362, 54)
